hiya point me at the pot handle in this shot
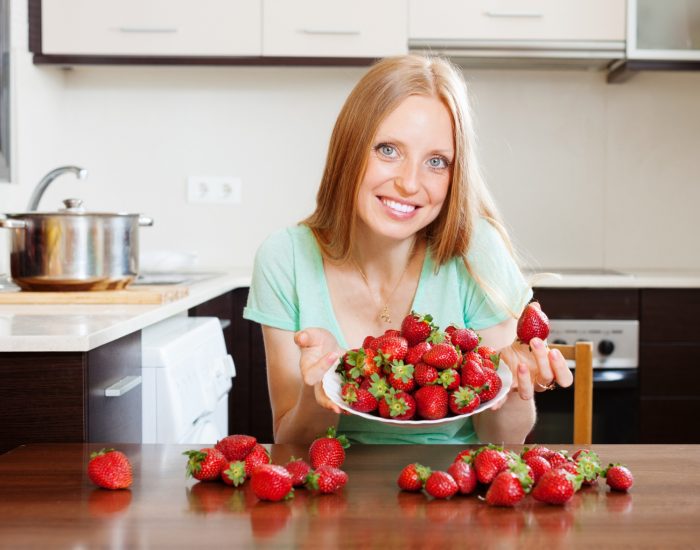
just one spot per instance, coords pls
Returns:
(12, 224)
(145, 221)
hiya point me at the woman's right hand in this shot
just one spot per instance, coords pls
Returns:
(319, 352)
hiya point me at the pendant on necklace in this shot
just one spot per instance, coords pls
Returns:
(384, 315)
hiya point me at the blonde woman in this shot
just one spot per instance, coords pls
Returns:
(403, 222)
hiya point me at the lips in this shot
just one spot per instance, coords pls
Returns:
(397, 207)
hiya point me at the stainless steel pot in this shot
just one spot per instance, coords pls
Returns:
(73, 249)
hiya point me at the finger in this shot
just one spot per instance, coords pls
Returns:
(543, 373)
(562, 372)
(323, 400)
(315, 372)
(526, 389)
(301, 338)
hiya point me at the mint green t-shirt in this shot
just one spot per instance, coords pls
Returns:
(289, 292)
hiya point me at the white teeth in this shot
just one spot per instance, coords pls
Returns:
(405, 208)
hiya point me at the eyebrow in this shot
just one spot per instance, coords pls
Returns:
(444, 152)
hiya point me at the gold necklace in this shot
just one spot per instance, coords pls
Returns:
(384, 311)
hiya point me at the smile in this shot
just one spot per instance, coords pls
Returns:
(398, 206)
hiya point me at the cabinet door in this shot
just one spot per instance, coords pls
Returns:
(668, 30)
(151, 27)
(315, 28)
(565, 20)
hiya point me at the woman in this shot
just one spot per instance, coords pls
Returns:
(403, 222)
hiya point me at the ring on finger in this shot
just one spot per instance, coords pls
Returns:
(545, 387)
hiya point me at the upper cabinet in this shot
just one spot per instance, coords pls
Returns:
(151, 28)
(668, 30)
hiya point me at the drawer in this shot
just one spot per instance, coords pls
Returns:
(589, 303)
(546, 20)
(152, 28)
(314, 28)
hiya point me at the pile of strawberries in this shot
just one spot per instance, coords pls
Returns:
(419, 372)
(552, 477)
(237, 458)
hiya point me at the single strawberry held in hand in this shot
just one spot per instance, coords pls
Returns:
(328, 449)
(109, 469)
(533, 323)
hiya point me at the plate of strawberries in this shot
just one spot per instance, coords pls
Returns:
(419, 375)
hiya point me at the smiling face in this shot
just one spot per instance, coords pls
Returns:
(408, 170)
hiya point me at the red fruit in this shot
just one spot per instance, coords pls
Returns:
(464, 400)
(401, 376)
(328, 449)
(272, 482)
(508, 488)
(256, 458)
(556, 458)
(465, 476)
(464, 455)
(377, 385)
(441, 485)
(234, 473)
(397, 405)
(473, 374)
(359, 399)
(392, 332)
(236, 447)
(367, 342)
(391, 348)
(588, 465)
(298, 468)
(205, 464)
(492, 387)
(109, 469)
(364, 362)
(424, 375)
(555, 487)
(442, 356)
(533, 323)
(465, 339)
(486, 352)
(538, 466)
(326, 479)
(450, 379)
(618, 477)
(535, 451)
(431, 402)
(489, 462)
(416, 328)
(415, 353)
(413, 477)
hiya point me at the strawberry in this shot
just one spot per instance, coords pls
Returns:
(391, 348)
(109, 469)
(378, 386)
(557, 458)
(415, 353)
(298, 468)
(256, 458)
(538, 466)
(509, 486)
(588, 465)
(534, 451)
(473, 374)
(618, 477)
(326, 479)
(465, 339)
(464, 455)
(425, 375)
(413, 477)
(416, 327)
(491, 363)
(234, 473)
(392, 332)
(272, 482)
(397, 405)
(472, 356)
(555, 487)
(236, 447)
(328, 449)
(464, 400)
(359, 399)
(205, 464)
(488, 462)
(464, 474)
(442, 356)
(431, 402)
(486, 352)
(450, 379)
(492, 387)
(401, 376)
(364, 362)
(367, 342)
(533, 323)
(441, 485)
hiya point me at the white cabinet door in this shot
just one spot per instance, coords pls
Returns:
(152, 27)
(517, 20)
(668, 30)
(337, 28)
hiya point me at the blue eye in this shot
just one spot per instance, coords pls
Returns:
(386, 150)
(438, 162)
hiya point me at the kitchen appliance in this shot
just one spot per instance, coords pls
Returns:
(186, 381)
(615, 383)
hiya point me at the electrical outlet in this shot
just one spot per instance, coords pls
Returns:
(214, 189)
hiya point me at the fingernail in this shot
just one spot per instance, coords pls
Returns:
(537, 343)
(332, 358)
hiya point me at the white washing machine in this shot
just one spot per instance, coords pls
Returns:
(187, 376)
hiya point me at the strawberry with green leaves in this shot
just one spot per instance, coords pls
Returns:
(489, 461)
(510, 486)
(328, 449)
(416, 328)
(390, 347)
(588, 465)
(109, 469)
(466, 339)
(326, 480)
(431, 402)
(557, 486)
(401, 376)
(272, 482)
(364, 362)
(493, 385)
(298, 468)
(397, 405)
(413, 477)
(358, 398)
(464, 400)
(450, 379)
(205, 464)
(234, 473)
(533, 323)
(473, 374)
(425, 375)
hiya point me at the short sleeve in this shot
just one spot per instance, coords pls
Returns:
(500, 291)
(273, 298)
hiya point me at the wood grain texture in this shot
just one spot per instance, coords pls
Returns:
(582, 354)
(58, 507)
(146, 294)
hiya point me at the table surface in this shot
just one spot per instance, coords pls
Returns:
(47, 501)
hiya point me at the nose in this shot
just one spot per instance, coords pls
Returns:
(407, 182)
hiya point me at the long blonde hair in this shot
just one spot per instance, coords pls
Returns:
(378, 93)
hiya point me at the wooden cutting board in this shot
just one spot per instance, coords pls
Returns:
(139, 294)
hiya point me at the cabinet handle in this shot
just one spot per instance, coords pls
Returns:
(333, 32)
(147, 30)
(518, 14)
(124, 385)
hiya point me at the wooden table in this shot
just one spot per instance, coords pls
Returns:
(47, 501)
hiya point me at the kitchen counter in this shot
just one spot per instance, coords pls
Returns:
(612, 279)
(51, 328)
(57, 507)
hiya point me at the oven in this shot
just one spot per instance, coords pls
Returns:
(615, 383)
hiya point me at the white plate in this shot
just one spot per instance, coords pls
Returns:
(332, 385)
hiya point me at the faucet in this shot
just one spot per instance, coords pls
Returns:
(80, 173)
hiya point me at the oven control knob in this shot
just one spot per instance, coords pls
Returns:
(606, 347)
(560, 342)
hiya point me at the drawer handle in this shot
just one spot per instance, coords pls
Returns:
(147, 30)
(124, 385)
(517, 14)
(331, 32)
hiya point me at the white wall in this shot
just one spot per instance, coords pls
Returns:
(587, 174)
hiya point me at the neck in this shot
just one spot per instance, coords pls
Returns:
(383, 262)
